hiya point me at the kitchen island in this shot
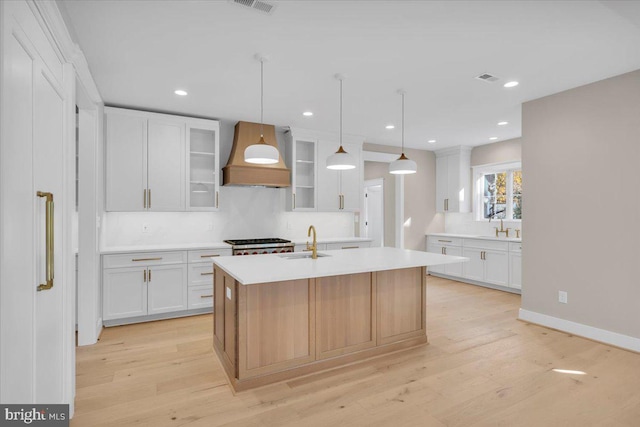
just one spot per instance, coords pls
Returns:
(281, 316)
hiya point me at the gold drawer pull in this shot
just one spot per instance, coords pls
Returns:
(146, 259)
(446, 241)
(350, 247)
(206, 296)
(49, 248)
(209, 256)
(206, 274)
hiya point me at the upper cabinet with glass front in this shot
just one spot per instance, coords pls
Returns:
(160, 162)
(300, 155)
(203, 165)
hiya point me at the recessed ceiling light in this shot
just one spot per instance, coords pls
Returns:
(431, 141)
(511, 84)
(389, 127)
(180, 92)
(493, 138)
(503, 123)
(307, 113)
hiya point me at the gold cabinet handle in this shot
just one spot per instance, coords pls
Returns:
(445, 250)
(446, 241)
(350, 247)
(209, 256)
(49, 225)
(146, 259)
(206, 296)
(217, 200)
(149, 275)
(144, 275)
(442, 250)
(294, 200)
(207, 274)
(144, 198)
(149, 198)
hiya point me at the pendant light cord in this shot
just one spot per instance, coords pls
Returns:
(403, 123)
(340, 112)
(261, 98)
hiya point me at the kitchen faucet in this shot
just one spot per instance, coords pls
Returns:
(314, 247)
(502, 230)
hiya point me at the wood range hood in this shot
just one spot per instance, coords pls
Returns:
(239, 172)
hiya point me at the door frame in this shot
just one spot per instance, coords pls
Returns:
(373, 183)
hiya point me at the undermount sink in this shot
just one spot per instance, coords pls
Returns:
(304, 255)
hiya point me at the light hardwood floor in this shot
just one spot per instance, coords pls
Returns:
(481, 367)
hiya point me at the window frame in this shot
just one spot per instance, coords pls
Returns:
(478, 175)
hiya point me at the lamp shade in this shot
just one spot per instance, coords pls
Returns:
(402, 166)
(261, 153)
(341, 160)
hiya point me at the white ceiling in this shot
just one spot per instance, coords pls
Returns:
(139, 52)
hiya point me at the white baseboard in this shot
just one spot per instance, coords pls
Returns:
(601, 335)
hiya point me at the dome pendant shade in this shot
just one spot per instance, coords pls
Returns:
(341, 160)
(402, 166)
(261, 153)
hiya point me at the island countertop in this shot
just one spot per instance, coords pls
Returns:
(253, 269)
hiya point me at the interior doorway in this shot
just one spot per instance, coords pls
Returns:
(374, 211)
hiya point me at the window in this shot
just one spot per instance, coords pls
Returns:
(498, 191)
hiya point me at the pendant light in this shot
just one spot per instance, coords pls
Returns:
(261, 152)
(340, 160)
(402, 165)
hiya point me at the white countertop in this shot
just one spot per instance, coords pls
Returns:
(164, 247)
(211, 245)
(252, 269)
(472, 236)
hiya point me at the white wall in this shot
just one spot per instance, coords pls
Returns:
(581, 151)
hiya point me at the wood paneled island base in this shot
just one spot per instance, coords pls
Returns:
(270, 332)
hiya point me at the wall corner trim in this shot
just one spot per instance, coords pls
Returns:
(601, 335)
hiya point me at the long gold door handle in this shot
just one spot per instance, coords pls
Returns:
(149, 198)
(294, 200)
(144, 198)
(217, 200)
(149, 275)
(49, 241)
(144, 276)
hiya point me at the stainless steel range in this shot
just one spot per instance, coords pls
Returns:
(260, 246)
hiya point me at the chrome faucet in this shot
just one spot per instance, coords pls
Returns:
(314, 247)
(502, 230)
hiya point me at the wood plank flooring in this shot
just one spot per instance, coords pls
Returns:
(481, 367)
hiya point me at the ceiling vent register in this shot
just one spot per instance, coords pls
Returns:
(486, 77)
(259, 5)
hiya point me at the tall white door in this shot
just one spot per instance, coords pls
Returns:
(374, 213)
(36, 347)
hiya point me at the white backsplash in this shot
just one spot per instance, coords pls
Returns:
(464, 223)
(245, 212)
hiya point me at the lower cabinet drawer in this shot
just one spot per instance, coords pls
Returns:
(200, 296)
(201, 274)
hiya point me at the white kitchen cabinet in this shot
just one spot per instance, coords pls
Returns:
(201, 277)
(493, 262)
(301, 157)
(347, 245)
(125, 292)
(488, 261)
(515, 265)
(203, 165)
(446, 246)
(144, 290)
(143, 284)
(339, 190)
(313, 186)
(145, 161)
(453, 180)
